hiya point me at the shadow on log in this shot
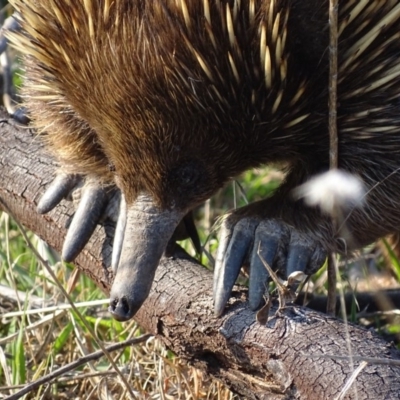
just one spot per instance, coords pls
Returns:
(277, 361)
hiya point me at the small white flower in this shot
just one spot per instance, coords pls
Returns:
(332, 190)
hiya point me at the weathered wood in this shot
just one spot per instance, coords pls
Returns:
(277, 361)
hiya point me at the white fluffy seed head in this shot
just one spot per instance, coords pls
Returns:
(332, 190)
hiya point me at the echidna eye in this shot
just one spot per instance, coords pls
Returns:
(187, 174)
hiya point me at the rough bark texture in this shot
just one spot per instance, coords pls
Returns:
(277, 361)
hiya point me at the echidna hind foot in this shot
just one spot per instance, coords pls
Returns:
(287, 246)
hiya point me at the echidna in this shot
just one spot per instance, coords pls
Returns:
(170, 99)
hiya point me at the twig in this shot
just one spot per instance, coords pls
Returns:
(333, 75)
(83, 360)
(285, 292)
(54, 308)
(331, 297)
(333, 135)
(369, 360)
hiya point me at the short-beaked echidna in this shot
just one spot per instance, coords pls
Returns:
(170, 99)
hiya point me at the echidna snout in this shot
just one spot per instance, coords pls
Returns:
(147, 232)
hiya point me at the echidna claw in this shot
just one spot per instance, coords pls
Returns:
(119, 235)
(59, 189)
(21, 116)
(270, 237)
(89, 212)
(284, 248)
(230, 258)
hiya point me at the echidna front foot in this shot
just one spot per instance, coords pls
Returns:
(94, 203)
(285, 249)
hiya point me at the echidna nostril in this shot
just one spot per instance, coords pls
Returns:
(120, 309)
(124, 305)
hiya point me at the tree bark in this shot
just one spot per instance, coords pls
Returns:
(277, 361)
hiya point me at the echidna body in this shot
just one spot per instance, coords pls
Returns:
(181, 96)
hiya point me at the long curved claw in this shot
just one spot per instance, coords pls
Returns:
(225, 235)
(269, 238)
(58, 190)
(228, 271)
(191, 230)
(87, 215)
(298, 259)
(119, 235)
(299, 253)
(186, 230)
(21, 116)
